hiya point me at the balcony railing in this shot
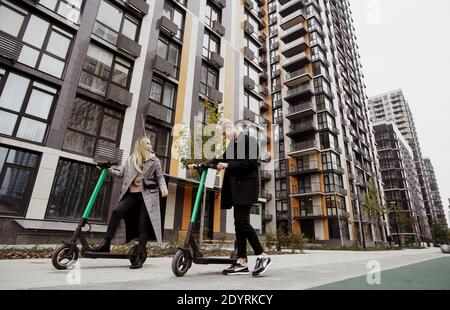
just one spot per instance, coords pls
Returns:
(302, 146)
(312, 211)
(302, 107)
(299, 89)
(305, 167)
(310, 189)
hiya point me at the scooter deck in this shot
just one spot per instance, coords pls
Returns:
(105, 255)
(213, 260)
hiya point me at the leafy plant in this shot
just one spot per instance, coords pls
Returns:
(295, 241)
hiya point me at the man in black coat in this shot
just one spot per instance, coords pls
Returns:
(240, 190)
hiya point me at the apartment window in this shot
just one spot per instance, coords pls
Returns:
(252, 46)
(46, 46)
(17, 174)
(276, 83)
(209, 78)
(251, 72)
(333, 182)
(72, 186)
(163, 93)
(69, 9)
(330, 160)
(171, 52)
(211, 44)
(25, 107)
(252, 103)
(89, 124)
(326, 121)
(212, 14)
(176, 16)
(111, 22)
(102, 68)
(275, 67)
(160, 138)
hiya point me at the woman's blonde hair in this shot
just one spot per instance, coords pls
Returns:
(140, 153)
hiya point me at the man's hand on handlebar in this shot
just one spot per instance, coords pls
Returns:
(220, 166)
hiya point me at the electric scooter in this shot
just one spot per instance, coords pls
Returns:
(190, 252)
(66, 255)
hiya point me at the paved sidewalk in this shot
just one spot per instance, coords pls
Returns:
(313, 269)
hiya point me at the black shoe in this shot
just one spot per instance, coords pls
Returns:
(138, 262)
(104, 247)
(262, 265)
(236, 269)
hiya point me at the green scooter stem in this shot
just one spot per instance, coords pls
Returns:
(94, 195)
(199, 197)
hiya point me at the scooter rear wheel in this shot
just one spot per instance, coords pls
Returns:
(62, 259)
(181, 263)
(133, 254)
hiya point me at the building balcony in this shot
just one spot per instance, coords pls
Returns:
(313, 189)
(164, 66)
(309, 167)
(216, 60)
(291, 7)
(296, 62)
(130, 46)
(265, 176)
(140, 5)
(293, 33)
(221, 3)
(335, 189)
(168, 26)
(268, 217)
(10, 47)
(292, 20)
(248, 53)
(249, 84)
(295, 47)
(299, 93)
(333, 168)
(301, 110)
(119, 95)
(302, 148)
(303, 127)
(295, 78)
(312, 212)
(264, 106)
(219, 28)
(266, 195)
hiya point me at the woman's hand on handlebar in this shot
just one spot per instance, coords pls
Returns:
(191, 166)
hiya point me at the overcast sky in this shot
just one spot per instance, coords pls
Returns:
(406, 44)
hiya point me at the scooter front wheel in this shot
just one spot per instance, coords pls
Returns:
(181, 262)
(62, 258)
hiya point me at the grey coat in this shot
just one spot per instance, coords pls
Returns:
(152, 171)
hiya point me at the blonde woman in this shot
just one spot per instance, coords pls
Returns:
(137, 213)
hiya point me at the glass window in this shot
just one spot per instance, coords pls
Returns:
(25, 108)
(102, 68)
(170, 52)
(176, 16)
(160, 138)
(90, 122)
(17, 173)
(210, 45)
(72, 186)
(69, 9)
(212, 14)
(46, 46)
(12, 20)
(209, 78)
(111, 21)
(163, 94)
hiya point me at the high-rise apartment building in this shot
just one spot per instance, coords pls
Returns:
(325, 158)
(407, 217)
(435, 194)
(75, 73)
(392, 106)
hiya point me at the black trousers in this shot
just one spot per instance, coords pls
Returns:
(245, 231)
(128, 204)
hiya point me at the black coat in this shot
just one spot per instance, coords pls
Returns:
(241, 179)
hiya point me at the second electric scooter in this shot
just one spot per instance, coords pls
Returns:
(190, 252)
(66, 255)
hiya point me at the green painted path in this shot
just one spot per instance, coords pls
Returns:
(429, 275)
